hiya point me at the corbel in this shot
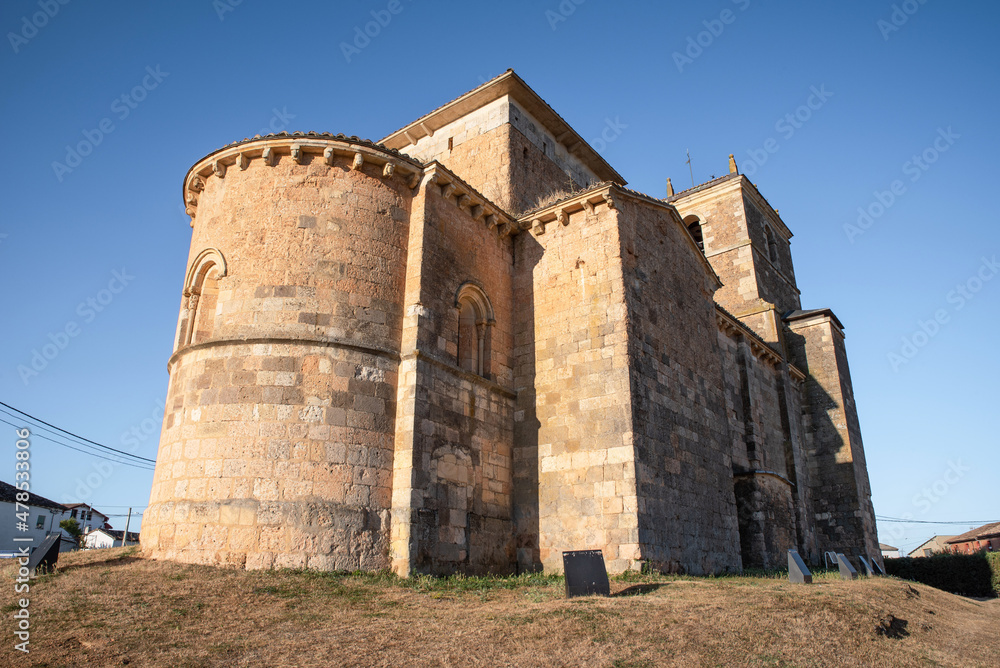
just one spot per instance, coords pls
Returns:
(448, 190)
(196, 184)
(414, 180)
(561, 217)
(242, 160)
(388, 170)
(538, 227)
(490, 220)
(359, 160)
(270, 157)
(607, 199)
(328, 155)
(297, 153)
(219, 168)
(463, 200)
(588, 206)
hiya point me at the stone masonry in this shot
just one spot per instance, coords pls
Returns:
(470, 347)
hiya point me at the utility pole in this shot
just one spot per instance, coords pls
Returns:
(128, 518)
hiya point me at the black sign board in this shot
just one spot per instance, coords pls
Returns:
(866, 568)
(798, 572)
(586, 574)
(44, 557)
(847, 571)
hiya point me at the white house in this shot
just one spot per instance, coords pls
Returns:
(43, 517)
(889, 552)
(101, 538)
(88, 518)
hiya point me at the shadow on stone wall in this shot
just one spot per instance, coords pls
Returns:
(528, 252)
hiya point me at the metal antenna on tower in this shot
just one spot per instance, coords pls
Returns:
(690, 168)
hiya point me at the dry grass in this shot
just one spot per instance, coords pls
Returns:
(112, 608)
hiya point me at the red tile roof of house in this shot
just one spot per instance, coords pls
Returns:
(986, 531)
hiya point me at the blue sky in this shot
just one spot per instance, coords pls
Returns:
(713, 77)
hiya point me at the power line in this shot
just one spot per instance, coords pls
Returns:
(90, 450)
(86, 452)
(76, 436)
(899, 519)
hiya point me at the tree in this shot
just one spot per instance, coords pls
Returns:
(72, 527)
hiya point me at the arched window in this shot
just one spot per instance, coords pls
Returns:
(694, 228)
(772, 246)
(475, 320)
(201, 296)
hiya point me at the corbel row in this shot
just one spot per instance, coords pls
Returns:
(758, 348)
(241, 158)
(560, 214)
(479, 208)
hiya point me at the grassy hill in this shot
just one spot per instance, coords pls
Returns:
(113, 608)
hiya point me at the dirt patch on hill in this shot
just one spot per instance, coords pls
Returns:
(112, 608)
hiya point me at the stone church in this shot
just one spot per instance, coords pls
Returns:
(469, 347)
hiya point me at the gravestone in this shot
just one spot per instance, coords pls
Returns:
(44, 557)
(798, 572)
(847, 571)
(866, 568)
(586, 574)
(877, 568)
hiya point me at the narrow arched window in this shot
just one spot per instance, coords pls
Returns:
(201, 298)
(475, 322)
(207, 300)
(772, 246)
(694, 228)
(468, 339)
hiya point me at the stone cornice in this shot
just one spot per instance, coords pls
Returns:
(729, 324)
(761, 472)
(711, 190)
(296, 147)
(605, 194)
(507, 84)
(812, 317)
(292, 341)
(461, 194)
(461, 373)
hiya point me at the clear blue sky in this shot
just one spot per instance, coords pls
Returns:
(224, 71)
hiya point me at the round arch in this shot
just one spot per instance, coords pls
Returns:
(202, 264)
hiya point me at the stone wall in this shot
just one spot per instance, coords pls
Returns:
(840, 491)
(733, 228)
(686, 511)
(277, 441)
(575, 478)
(507, 155)
(454, 443)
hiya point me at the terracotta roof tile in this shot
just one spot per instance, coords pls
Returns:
(985, 531)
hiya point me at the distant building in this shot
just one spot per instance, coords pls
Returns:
(986, 537)
(104, 538)
(935, 545)
(889, 552)
(43, 517)
(88, 518)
